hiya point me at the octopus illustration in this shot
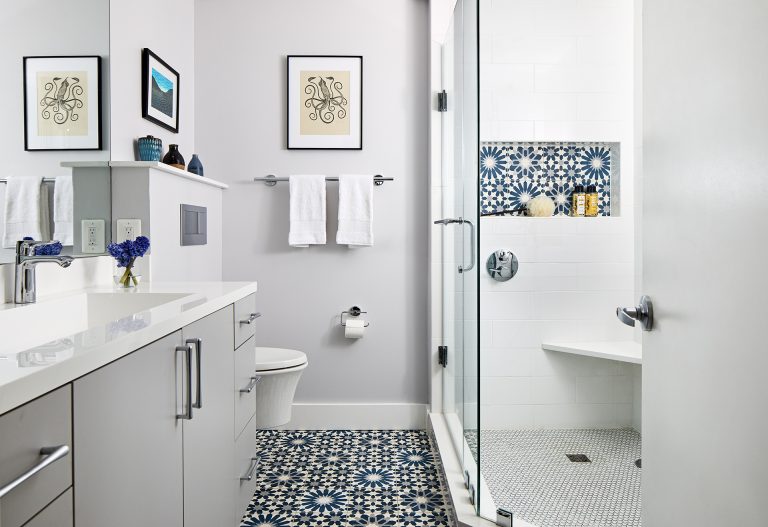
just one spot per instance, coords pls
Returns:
(62, 99)
(325, 99)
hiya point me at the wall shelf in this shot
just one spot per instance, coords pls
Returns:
(623, 351)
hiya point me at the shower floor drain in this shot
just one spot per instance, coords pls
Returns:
(578, 458)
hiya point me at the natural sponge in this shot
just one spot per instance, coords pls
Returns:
(541, 206)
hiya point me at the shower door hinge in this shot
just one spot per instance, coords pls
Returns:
(442, 356)
(442, 101)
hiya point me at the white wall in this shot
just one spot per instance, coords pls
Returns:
(558, 70)
(302, 291)
(167, 28)
(27, 30)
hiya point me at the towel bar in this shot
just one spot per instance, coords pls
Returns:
(272, 180)
(45, 180)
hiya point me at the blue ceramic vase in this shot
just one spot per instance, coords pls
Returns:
(195, 166)
(150, 148)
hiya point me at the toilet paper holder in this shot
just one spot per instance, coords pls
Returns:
(353, 311)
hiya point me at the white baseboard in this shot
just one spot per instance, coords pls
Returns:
(374, 416)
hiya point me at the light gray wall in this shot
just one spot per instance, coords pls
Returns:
(240, 113)
(167, 28)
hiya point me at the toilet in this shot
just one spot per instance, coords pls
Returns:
(279, 370)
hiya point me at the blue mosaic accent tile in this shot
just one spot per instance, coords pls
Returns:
(348, 479)
(513, 173)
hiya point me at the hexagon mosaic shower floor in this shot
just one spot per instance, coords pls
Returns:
(344, 478)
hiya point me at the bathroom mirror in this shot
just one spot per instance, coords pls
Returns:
(54, 99)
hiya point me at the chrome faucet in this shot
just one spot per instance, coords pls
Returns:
(26, 262)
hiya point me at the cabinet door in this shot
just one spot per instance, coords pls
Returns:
(208, 444)
(128, 441)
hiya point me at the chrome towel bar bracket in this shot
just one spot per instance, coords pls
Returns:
(271, 180)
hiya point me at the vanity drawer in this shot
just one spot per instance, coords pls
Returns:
(245, 319)
(43, 423)
(245, 401)
(245, 465)
(57, 514)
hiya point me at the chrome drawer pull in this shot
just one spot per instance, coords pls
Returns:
(251, 318)
(198, 343)
(249, 475)
(251, 385)
(52, 454)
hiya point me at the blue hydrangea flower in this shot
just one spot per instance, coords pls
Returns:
(526, 161)
(373, 520)
(374, 477)
(415, 458)
(127, 251)
(325, 500)
(595, 162)
(49, 249)
(492, 162)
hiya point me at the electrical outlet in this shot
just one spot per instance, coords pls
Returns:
(93, 236)
(128, 229)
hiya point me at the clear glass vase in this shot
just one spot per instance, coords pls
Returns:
(126, 277)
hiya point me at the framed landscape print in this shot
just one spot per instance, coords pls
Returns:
(159, 91)
(325, 102)
(62, 103)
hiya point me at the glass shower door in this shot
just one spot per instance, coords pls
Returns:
(460, 138)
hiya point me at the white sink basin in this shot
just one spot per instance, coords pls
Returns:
(53, 321)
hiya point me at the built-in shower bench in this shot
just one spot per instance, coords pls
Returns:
(624, 350)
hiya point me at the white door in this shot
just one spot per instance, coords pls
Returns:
(705, 263)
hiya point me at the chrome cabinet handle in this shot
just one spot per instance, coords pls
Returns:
(198, 344)
(642, 313)
(188, 352)
(251, 318)
(51, 455)
(251, 385)
(249, 475)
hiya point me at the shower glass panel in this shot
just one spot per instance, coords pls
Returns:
(460, 136)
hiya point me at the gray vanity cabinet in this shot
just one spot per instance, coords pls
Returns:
(208, 445)
(128, 459)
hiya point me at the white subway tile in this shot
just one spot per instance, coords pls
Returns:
(507, 362)
(603, 107)
(501, 417)
(506, 390)
(507, 79)
(514, 49)
(511, 131)
(578, 131)
(572, 78)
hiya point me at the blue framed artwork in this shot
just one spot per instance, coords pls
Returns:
(159, 91)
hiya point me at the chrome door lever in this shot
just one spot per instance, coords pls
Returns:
(642, 313)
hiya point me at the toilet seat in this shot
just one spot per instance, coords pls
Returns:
(279, 359)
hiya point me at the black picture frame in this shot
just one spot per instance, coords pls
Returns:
(147, 55)
(289, 115)
(28, 146)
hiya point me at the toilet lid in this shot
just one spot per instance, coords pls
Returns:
(278, 358)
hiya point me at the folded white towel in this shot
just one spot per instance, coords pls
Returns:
(63, 214)
(25, 210)
(307, 210)
(355, 211)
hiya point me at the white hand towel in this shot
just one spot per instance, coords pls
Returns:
(355, 211)
(25, 210)
(307, 210)
(63, 204)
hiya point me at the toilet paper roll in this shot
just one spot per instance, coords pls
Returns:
(354, 328)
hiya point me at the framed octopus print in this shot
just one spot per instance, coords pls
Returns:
(62, 103)
(325, 102)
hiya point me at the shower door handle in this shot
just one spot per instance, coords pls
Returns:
(462, 221)
(471, 265)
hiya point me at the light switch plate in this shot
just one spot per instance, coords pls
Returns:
(93, 236)
(128, 229)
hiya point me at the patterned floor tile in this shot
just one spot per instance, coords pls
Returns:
(347, 479)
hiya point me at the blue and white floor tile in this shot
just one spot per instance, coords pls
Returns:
(347, 479)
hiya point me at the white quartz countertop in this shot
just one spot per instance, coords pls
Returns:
(623, 351)
(63, 337)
